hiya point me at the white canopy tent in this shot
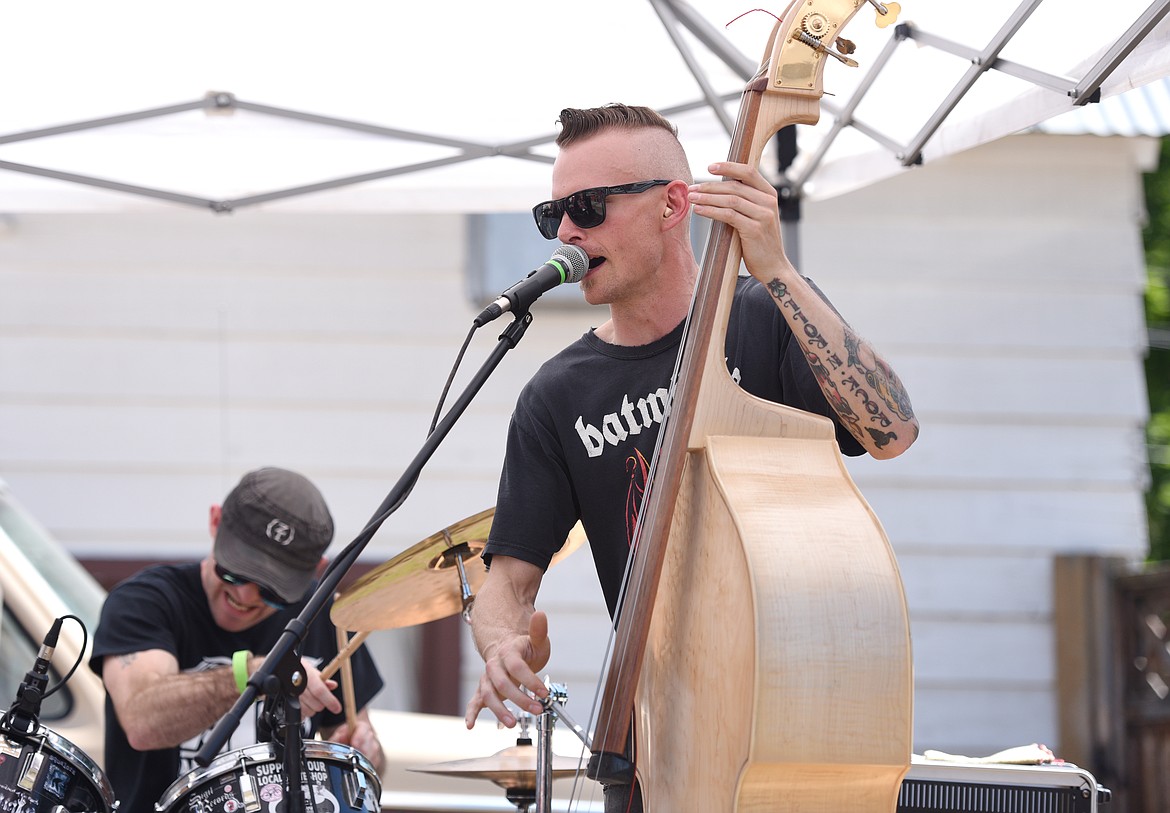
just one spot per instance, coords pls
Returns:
(370, 106)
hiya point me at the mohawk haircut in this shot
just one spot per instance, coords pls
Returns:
(578, 124)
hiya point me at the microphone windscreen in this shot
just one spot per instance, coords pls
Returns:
(577, 259)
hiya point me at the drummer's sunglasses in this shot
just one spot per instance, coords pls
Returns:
(585, 208)
(267, 596)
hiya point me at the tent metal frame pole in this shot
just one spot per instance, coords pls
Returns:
(116, 186)
(1082, 92)
(1089, 88)
(222, 101)
(843, 117)
(106, 121)
(913, 152)
(670, 23)
(1060, 84)
(712, 39)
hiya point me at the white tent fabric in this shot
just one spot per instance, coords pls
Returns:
(492, 76)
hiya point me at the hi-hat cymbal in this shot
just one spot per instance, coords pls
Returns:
(422, 583)
(511, 768)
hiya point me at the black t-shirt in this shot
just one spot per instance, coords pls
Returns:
(165, 607)
(584, 430)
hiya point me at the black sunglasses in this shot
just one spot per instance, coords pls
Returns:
(267, 596)
(585, 208)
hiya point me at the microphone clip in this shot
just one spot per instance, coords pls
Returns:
(24, 714)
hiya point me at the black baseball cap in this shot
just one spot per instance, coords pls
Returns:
(273, 530)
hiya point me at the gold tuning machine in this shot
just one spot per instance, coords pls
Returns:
(887, 13)
(819, 47)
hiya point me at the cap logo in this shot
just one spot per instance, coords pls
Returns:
(280, 532)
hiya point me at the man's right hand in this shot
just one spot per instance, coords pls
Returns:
(318, 695)
(509, 668)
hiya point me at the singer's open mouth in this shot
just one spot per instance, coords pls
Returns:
(596, 261)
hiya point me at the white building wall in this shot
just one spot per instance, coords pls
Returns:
(1005, 285)
(149, 359)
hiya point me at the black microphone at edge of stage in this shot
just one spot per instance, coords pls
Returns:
(27, 708)
(567, 264)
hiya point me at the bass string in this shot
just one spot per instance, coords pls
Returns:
(704, 305)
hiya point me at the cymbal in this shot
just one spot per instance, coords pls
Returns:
(511, 768)
(422, 583)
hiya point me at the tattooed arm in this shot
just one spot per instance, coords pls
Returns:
(161, 707)
(158, 706)
(859, 385)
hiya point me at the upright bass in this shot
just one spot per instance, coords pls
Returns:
(762, 647)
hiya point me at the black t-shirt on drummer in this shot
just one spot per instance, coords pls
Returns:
(166, 608)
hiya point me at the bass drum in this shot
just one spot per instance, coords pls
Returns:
(334, 779)
(42, 771)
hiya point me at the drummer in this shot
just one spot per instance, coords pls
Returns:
(176, 643)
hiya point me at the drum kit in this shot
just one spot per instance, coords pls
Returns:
(42, 772)
(39, 769)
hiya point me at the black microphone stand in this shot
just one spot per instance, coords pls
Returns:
(281, 677)
(280, 721)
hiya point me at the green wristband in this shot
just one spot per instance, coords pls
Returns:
(240, 668)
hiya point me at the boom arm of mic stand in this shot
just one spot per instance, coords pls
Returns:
(294, 633)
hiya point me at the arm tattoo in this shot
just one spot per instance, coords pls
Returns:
(859, 380)
(128, 658)
(832, 394)
(881, 378)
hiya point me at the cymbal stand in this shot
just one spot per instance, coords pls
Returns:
(553, 708)
(458, 553)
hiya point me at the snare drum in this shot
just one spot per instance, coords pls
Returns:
(339, 778)
(42, 771)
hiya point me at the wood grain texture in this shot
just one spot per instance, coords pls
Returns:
(779, 669)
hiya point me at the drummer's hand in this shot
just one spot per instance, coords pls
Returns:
(318, 695)
(363, 738)
(509, 670)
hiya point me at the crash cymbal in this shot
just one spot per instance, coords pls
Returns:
(423, 583)
(511, 768)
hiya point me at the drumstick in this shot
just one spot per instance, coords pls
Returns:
(347, 683)
(343, 653)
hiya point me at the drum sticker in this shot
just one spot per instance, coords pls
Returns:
(12, 798)
(53, 782)
(20, 804)
(57, 778)
(270, 777)
(318, 780)
(6, 789)
(221, 796)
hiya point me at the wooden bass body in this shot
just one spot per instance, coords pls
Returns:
(777, 674)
